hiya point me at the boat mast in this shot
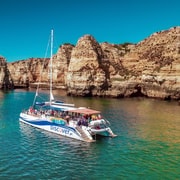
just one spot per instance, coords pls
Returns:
(51, 95)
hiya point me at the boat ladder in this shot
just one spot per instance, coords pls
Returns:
(83, 135)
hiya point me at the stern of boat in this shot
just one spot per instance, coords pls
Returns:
(100, 127)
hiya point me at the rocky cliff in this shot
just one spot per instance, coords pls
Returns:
(26, 72)
(6, 81)
(31, 71)
(155, 65)
(150, 68)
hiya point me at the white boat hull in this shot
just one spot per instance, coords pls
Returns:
(102, 132)
(49, 126)
(62, 118)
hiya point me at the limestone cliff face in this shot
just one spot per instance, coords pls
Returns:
(150, 68)
(86, 75)
(2, 65)
(6, 81)
(29, 71)
(154, 65)
(60, 65)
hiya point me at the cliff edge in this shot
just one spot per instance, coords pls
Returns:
(150, 68)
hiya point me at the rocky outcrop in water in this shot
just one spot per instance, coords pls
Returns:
(61, 63)
(6, 81)
(31, 71)
(155, 65)
(150, 68)
(86, 74)
(26, 72)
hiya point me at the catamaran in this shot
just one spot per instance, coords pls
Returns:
(65, 119)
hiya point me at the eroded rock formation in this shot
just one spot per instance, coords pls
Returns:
(6, 81)
(150, 68)
(86, 74)
(26, 72)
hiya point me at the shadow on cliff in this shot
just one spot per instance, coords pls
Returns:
(7, 80)
(138, 92)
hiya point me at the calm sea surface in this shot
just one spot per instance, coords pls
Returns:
(147, 145)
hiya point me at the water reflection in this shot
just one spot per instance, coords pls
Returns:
(153, 119)
(1, 95)
(147, 144)
(144, 118)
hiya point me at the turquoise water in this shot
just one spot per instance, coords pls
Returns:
(147, 145)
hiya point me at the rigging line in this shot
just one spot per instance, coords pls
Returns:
(72, 99)
(37, 89)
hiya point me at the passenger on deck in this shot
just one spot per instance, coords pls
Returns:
(67, 119)
(31, 110)
(99, 116)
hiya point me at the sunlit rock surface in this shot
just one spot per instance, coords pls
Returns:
(149, 68)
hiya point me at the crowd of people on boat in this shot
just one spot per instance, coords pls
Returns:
(48, 112)
(82, 119)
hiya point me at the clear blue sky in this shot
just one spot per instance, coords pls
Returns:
(25, 24)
